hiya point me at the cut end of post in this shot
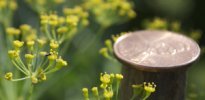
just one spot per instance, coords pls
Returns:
(154, 51)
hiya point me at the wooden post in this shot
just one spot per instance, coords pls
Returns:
(156, 56)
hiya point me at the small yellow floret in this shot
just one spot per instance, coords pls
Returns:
(105, 78)
(62, 30)
(119, 76)
(8, 76)
(52, 57)
(25, 27)
(13, 53)
(18, 43)
(54, 45)
(61, 62)
(108, 94)
(34, 80)
(29, 56)
(72, 20)
(95, 91)
(13, 31)
(43, 76)
(149, 87)
(43, 53)
(30, 43)
(85, 92)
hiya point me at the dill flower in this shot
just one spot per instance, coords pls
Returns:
(104, 52)
(29, 56)
(25, 27)
(103, 85)
(108, 94)
(43, 76)
(72, 20)
(95, 91)
(54, 45)
(105, 78)
(62, 30)
(44, 19)
(108, 44)
(109, 12)
(78, 11)
(12, 31)
(8, 76)
(30, 43)
(34, 79)
(119, 76)
(156, 23)
(13, 53)
(52, 57)
(12, 5)
(60, 62)
(18, 43)
(149, 87)
(85, 93)
(43, 53)
(53, 20)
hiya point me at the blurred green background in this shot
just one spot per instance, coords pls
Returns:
(86, 63)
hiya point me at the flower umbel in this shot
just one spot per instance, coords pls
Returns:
(45, 62)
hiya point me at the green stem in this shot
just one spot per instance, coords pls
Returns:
(20, 62)
(54, 33)
(20, 79)
(31, 92)
(47, 32)
(20, 68)
(147, 94)
(49, 66)
(117, 89)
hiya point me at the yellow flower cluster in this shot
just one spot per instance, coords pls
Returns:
(9, 76)
(156, 23)
(95, 91)
(143, 91)
(108, 94)
(85, 93)
(107, 51)
(12, 31)
(109, 12)
(59, 28)
(13, 53)
(77, 13)
(107, 82)
(162, 24)
(7, 7)
(8, 4)
(149, 87)
(25, 32)
(34, 53)
(17, 44)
